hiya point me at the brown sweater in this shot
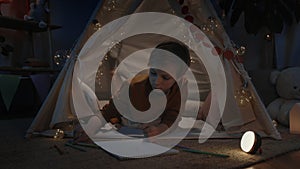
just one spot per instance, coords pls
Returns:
(139, 91)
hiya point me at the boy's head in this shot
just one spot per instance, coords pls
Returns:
(178, 49)
(172, 57)
(171, 54)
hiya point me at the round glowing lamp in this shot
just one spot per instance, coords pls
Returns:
(250, 142)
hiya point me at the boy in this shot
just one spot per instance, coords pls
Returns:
(141, 86)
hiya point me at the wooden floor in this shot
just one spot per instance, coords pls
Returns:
(287, 161)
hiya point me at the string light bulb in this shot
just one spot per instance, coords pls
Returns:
(268, 37)
(210, 25)
(243, 96)
(275, 123)
(60, 57)
(212, 22)
(59, 134)
(97, 25)
(99, 76)
(241, 51)
(112, 4)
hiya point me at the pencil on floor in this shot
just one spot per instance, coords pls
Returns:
(75, 146)
(87, 145)
(186, 149)
(58, 149)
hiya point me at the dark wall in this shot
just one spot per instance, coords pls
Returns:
(73, 17)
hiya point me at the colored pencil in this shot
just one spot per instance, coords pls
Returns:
(186, 149)
(75, 146)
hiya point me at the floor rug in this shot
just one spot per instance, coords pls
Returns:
(17, 152)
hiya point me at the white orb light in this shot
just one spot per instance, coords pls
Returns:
(250, 142)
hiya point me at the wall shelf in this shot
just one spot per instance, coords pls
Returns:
(26, 71)
(18, 24)
(31, 27)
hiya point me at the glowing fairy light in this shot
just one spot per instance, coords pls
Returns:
(241, 51)
(59, 134)
(60, 57)
(210, 25)
(97, 25)
(243, 96)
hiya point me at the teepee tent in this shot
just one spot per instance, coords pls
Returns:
(58, 108)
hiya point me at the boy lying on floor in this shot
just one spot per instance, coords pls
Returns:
(140, 88)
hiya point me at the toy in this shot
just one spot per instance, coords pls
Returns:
(5, 49)
(288, 88)
(4, 2)
(38, 12)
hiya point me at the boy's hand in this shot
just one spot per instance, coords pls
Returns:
(155, 130)
(92, 127)
(80, 135)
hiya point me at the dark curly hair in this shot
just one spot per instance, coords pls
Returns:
(178, 49)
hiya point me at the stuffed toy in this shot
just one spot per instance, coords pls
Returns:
(288, 88)
(4, 2)
(5, 49)
(38, 12)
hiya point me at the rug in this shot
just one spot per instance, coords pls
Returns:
(238, 159)
(40, 152)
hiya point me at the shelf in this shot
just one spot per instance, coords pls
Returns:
(18, 24)
(26, 71)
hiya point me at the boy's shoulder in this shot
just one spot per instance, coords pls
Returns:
(139, 79)
(140, 83)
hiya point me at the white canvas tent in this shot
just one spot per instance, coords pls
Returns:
(58, 107)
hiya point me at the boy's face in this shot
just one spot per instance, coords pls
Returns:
(160, 80)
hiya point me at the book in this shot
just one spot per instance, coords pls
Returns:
(122, 133)
(132, 132)
(139, 149)
(134, 149)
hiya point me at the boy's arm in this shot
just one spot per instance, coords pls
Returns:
(110, 113)
(155, 130)
(175, 105)
(203, 112)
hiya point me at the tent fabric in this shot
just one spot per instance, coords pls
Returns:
(58, 106)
